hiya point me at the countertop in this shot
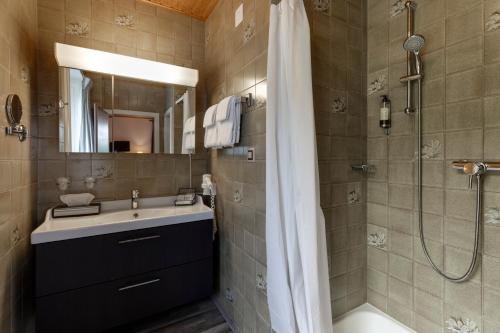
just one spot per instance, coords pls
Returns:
(115, 217)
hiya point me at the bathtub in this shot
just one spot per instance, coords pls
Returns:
(368, 319)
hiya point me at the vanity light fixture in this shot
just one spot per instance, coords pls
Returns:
(121, 65)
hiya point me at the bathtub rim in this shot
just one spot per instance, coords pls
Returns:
(369, 307)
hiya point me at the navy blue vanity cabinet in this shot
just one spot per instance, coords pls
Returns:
(92, 284)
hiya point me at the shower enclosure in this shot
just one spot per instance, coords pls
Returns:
(432, 235)
(413, 46)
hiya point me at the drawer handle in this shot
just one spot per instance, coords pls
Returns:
(139, 239)
(132, 286)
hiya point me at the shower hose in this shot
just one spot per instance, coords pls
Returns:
(477, 232)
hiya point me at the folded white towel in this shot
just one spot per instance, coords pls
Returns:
(211, 136)
(238, 107)
(210, 128)
(190, 141)
(228, 131)
(209, 119)
(188, 137)
(190, 125)
(224, 109)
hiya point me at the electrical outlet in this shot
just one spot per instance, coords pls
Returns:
(251, 154)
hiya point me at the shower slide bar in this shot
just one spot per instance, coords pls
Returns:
(411, 6)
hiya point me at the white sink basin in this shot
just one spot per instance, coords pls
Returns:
(116, 216)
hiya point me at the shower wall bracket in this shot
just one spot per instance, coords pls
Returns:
(364, 168)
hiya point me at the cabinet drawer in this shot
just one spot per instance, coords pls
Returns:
(101, 307)
(76, 263)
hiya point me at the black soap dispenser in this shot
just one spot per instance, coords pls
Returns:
(385, 113)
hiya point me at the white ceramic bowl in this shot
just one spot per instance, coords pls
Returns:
(80, 199)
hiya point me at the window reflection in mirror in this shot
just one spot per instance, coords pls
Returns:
(83, 122)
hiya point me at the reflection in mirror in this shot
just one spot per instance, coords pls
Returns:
(152, 117)
(83, 119)
(143, 117)
(184, 120)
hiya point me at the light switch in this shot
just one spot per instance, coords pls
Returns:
(238, 16)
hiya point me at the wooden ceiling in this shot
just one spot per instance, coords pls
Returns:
(199, 9)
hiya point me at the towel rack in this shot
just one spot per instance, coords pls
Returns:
(248, 100)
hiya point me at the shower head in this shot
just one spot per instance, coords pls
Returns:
(414, 43)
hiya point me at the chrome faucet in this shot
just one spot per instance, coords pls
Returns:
(135, 199)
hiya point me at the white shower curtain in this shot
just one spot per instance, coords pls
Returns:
(298, 289)
(88, 135)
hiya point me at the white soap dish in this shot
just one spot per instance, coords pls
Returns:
(75, 200)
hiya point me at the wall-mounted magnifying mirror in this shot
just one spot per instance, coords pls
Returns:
(14, 111)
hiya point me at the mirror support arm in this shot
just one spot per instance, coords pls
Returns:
(19, 130)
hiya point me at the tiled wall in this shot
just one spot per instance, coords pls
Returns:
(236, 61)
(17, 166)
(461, 121)
(236, 64)
(127, 27)
(339, 66)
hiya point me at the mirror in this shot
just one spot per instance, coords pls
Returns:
(143, 117)
(115, 103)
(14, 113)
(14, 110)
